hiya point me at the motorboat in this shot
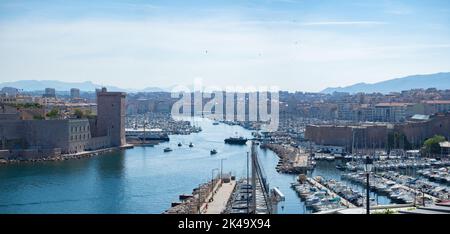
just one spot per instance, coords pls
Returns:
(168, 149)
(340, 167)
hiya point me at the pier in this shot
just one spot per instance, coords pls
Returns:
(219, 198)
(208, 198)
(292, 160)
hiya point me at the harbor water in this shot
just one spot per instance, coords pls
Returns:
(142, 179)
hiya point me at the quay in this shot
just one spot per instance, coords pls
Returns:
(62, 157)
(97, 152)
(317, 184)
(219, 198)
(292, 160)
(209, 198)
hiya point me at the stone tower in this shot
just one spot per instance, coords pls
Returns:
(111, 116)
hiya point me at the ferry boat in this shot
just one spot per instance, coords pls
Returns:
(236, 141)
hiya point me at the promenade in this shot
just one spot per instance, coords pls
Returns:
(220, 198)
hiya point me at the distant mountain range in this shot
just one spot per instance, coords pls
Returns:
(37, 85)
(438, 80)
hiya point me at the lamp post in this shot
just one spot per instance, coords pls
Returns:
(423, 195)
(221, 167)
(368, 168)
(212, 178)
(248, 201)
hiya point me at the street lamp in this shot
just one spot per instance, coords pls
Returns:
(221, 167)
(212, 178)
(423, 195)
(368, 168)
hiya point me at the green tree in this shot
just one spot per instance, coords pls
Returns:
(54, 113)
(38, 117)
(431, 145)
(398, 140)
(79, 113)
(89, 114)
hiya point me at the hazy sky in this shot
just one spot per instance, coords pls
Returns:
(305, 45)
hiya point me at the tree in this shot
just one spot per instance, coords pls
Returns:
(54, 113)
(398, 140)
(88, 114)
(38, 117)
(79, 113)
(431, 145)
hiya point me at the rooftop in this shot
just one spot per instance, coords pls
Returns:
(445, 144)
(438, 102)
(420, 117)
(392, 104)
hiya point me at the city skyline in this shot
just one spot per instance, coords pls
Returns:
(285, 43)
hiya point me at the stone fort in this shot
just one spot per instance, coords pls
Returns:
(27, 139)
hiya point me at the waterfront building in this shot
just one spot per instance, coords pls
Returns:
(32, 138)
(111, 116)
(373, 135)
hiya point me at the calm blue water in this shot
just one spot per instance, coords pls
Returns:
(139, 180)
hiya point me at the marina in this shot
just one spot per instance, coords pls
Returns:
(316, 197)
(440, 175)
(138, 169)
